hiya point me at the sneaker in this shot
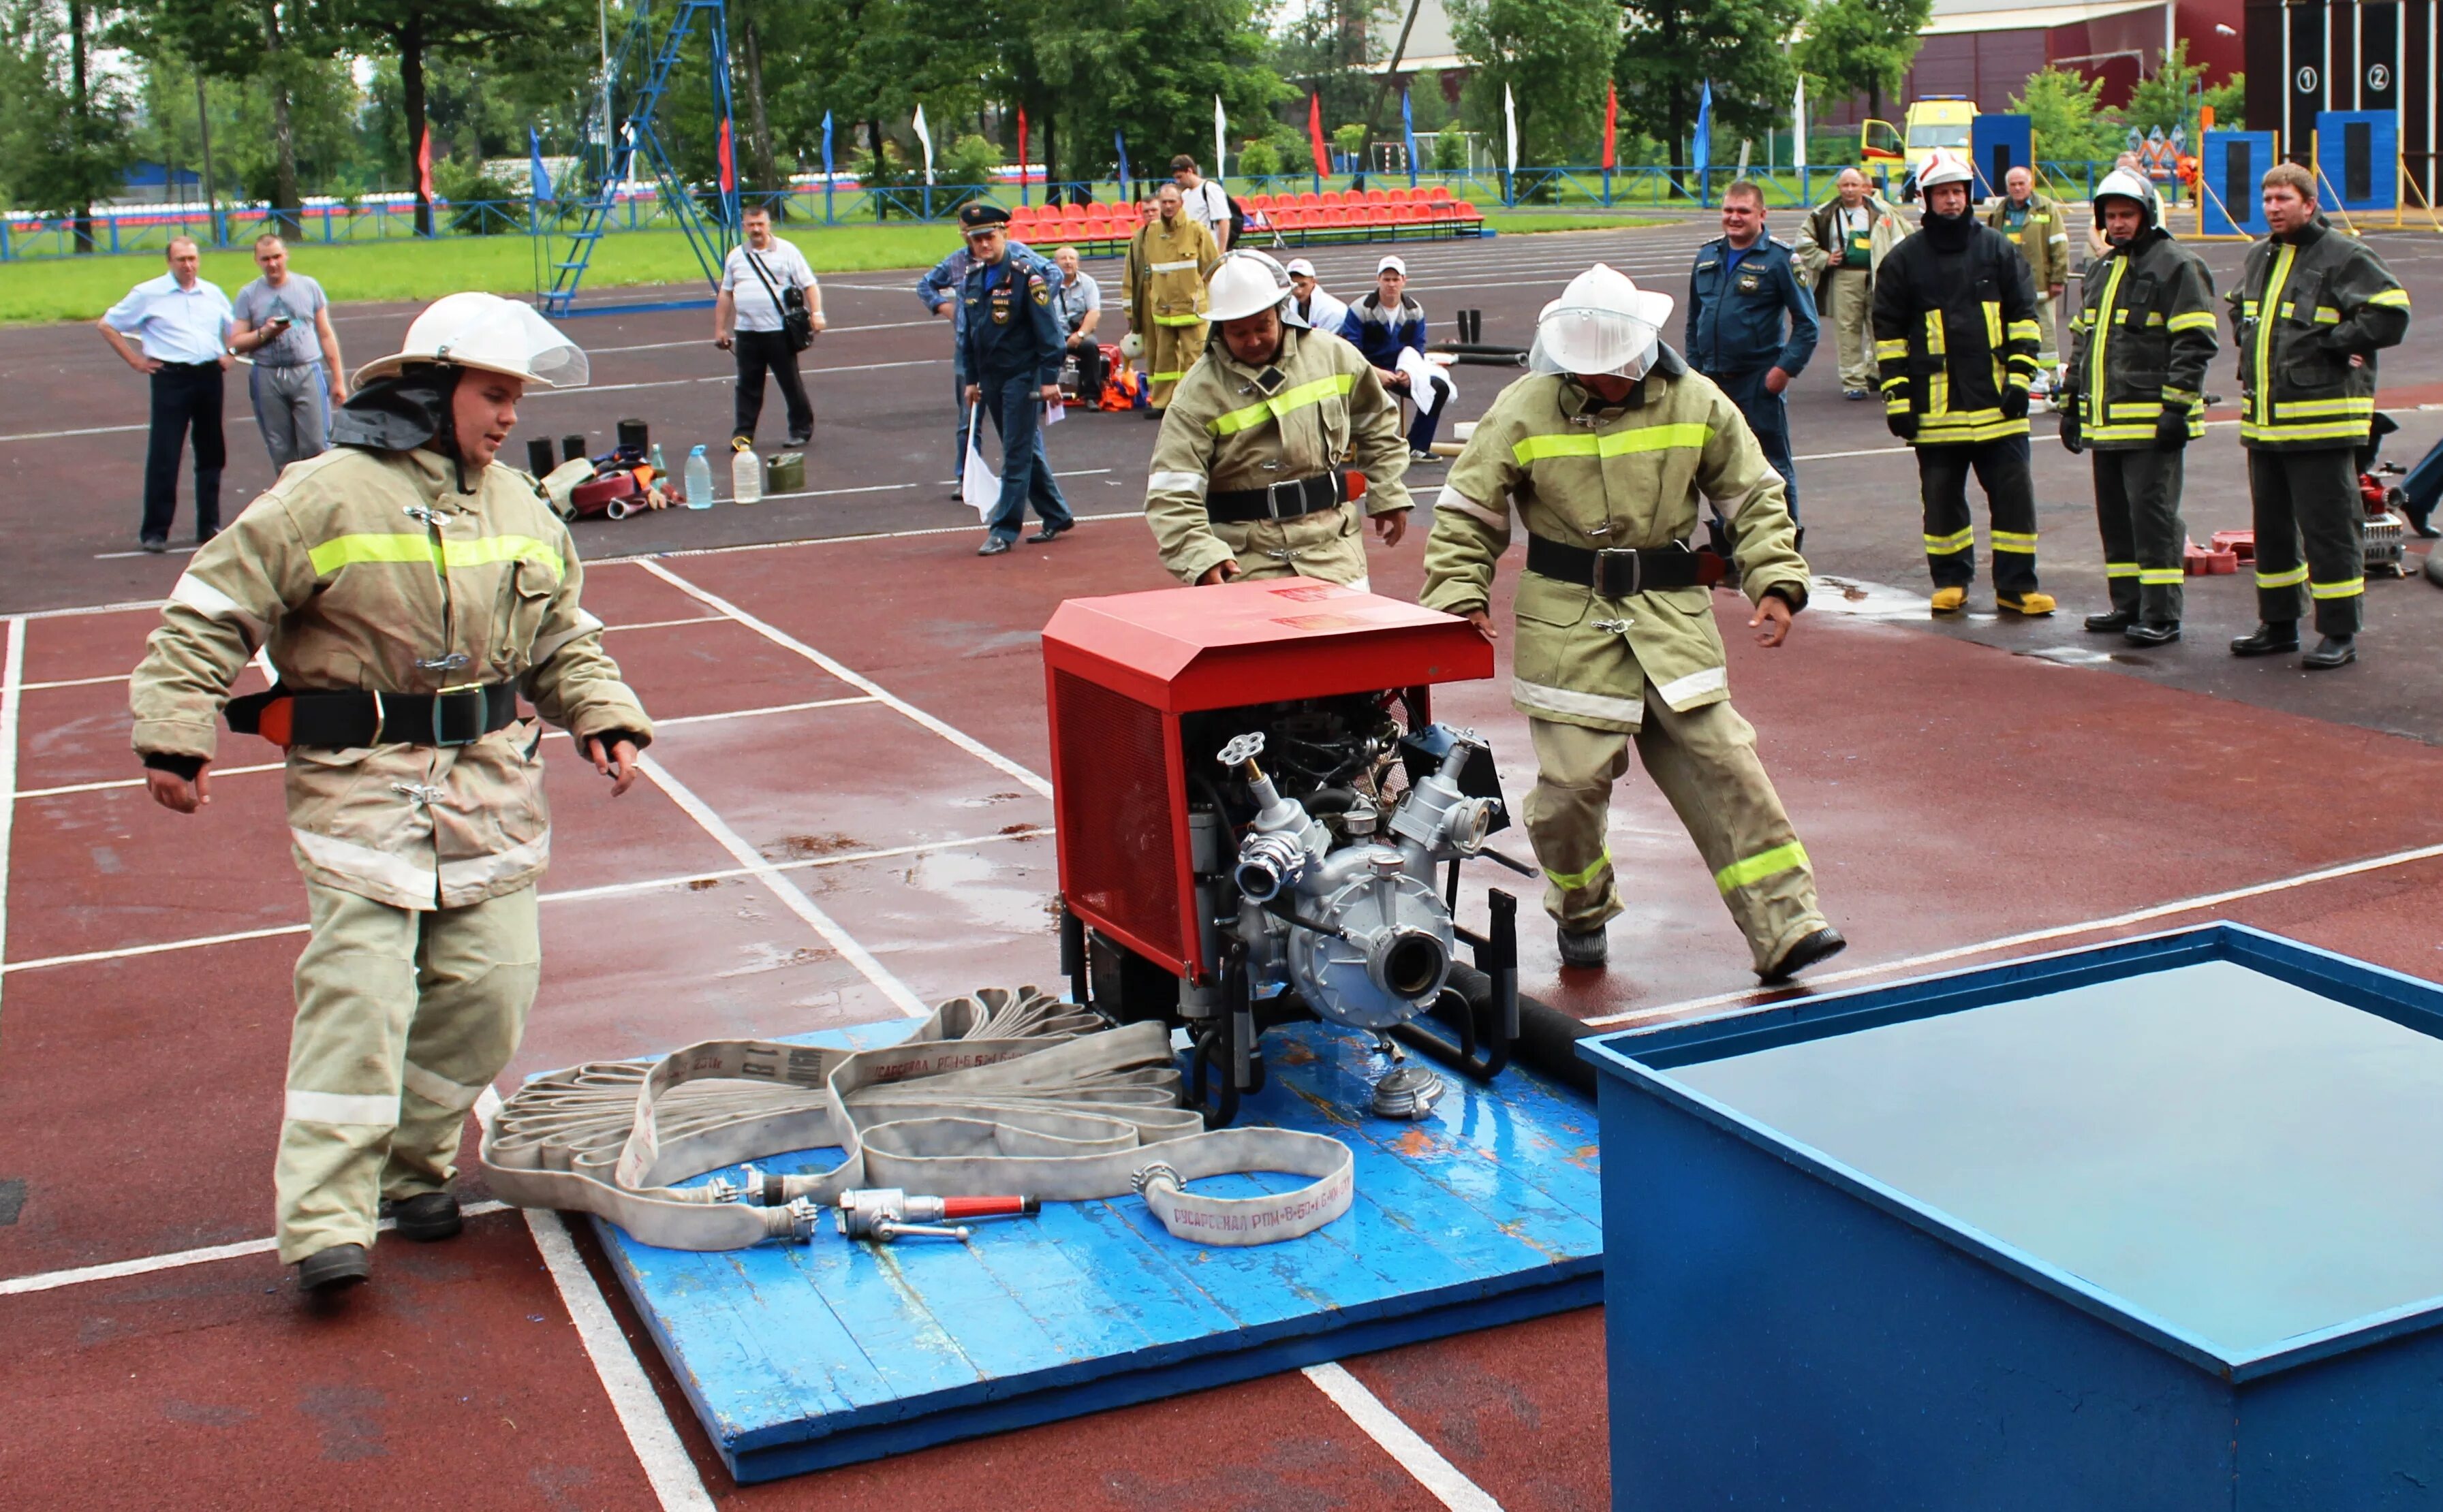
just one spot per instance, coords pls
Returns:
(1949, 600)
(1423, 456)
(799, 437)
(152, 543)
(1051, 533)
(1853, 393)
(2032, 604)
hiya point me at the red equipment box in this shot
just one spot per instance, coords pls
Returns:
(1123, 670)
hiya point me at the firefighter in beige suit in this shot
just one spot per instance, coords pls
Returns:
(1168, 260)
(1603, 452)
(407, 589)
(1249, 472)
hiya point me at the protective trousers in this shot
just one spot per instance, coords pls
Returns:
(2002, 470)
(1705, 763)
(2138, 511)
(292, 410)
(1171, 349)
(403, 1017)
(1852, 293)
(2312, 495)
(1768, 415)
(2048, 344)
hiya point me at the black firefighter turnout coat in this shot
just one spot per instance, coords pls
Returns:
(2140, 343)
(1954, 330)
(2306, 304)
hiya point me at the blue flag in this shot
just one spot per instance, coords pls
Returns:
(1120, 141)
(538, 181)
(1408, 130)
(827, 144)
(1701, 143)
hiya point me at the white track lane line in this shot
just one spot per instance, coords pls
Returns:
(73, 682)
(1402, 1443)
(1751, 996)
(53, 1279)
(959, 738)
(12, 678)
(54, 435)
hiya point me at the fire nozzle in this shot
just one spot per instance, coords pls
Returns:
(884, 1214)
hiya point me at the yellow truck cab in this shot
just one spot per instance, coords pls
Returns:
(1935, 120)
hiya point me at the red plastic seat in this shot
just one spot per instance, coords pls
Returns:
(1259, 202)
(1378, 196)
(1308, 199)
(1440, 195)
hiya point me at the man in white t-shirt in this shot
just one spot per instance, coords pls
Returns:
(1321, 311)
(1205, 201)
(749, 320)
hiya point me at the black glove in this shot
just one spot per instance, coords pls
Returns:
(2014, 402)
(2172, 429)
(2070, 439)
(1904, 423)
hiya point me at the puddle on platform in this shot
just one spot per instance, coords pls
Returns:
(1843, 596)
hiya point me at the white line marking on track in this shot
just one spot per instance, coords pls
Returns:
(12, 677)
(956, 737)
(55, 435)
(706, 341)
(1747, 1000)
(73, 682)
(1402, 1443)
(53, 1279)
(663, 625)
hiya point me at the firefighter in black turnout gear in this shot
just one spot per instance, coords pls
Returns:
(1955, 339)
(2135, 398)
(2313, 309)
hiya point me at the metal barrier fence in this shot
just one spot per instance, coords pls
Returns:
(150, 227)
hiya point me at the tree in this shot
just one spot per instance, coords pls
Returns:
(1152, 69)
(262, 44)
(1326, 47)
(68, 133)
(1862, 47)
(2066, 119)
(1669, 49)
(1552, 54)
(2171, 97)
(415, 31)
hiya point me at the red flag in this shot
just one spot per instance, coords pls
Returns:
(1611, 122)
(1315, 133)
(424, 165)
(729, 164)
(1021, 144)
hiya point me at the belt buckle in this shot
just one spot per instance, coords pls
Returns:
(1273, 497)
(1608, 557)
(440, 718)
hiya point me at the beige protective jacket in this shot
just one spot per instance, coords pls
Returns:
(1167, 264)
(370, 571)
(1595, 477)
(2043, 238)
(1317, 408)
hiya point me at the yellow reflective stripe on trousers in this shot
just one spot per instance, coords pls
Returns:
(399, 546)
(1573, 881)
(2121, 569)
(1760, 865)
(2191, 320)
(2328, 431)
(2161, 576)
(1689, 435)
(2290, 579)
(2350, 588)
(1282, 404)
(2014, 540)
(1179, 320)
(1949, 545)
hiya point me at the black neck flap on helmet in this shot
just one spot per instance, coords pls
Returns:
(412, 408)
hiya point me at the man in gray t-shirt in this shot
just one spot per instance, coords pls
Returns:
(283, 321)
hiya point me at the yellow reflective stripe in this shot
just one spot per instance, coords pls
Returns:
(2395, 299)
(2263, 387)
(2023, 330)
(2014, 540)
(2191, 320)
(1688, 435)
(2096, 434)
(1889, 349)
(1992, 325)
(1934, 333)
(1179, 320)
(484, 549)
(2104, 311)
(1573, 881)
(1889, 384)
(2290, 579)
(2137, 408)
(2159, 576)
(2326, 315)
(1949, 545)
(2350, 588)
(2120, 568)
(2180, 397)
(1282, 404)
(1757, 867)
(2329, 431)
(2247, 308)
(399, 546)
(2307, 408)
(1165, 377)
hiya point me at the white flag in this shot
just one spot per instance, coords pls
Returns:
(978, 484)
(1798, 126)
(926, 137)
(1221, 140)
(1510, 122)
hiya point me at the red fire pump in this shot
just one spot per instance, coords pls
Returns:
(1255, 810)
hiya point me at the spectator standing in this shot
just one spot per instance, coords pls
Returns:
(1385, 324)
(1081, 301)
(751, 320)
(1314, 304)
(2034, 225)
(180, 324)
(1839, 247)
(298, 377)
(1208, 202)
(1741, 296)
(938, 291)
(1009, 350)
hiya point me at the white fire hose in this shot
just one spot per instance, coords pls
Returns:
(1000, 1092)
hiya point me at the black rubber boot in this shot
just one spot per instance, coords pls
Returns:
(2111, 621)
(428, 1217)
(1588, 947)
(1822, 945)
(2332, 651)
(2163, 635)
(334, 1269)
(2273, 638)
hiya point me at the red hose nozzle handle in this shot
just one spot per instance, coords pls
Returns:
(953, 1208)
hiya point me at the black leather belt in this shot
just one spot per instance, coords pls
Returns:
(339, 721)
(1618, 574)
(1285, 500)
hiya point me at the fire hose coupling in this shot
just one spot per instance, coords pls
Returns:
(1154, 1172)
(763, 1188)
(1268, 864)
(886, 1213)
(1439, 815)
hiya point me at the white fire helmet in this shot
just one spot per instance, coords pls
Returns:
(487, 332)
(2122, 183)
(1943, 166)
(1250, 282)
(1602, 324)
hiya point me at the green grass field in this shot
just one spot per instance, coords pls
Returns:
(38, 290)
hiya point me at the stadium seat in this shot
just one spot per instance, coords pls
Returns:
(1308, 199)
(1378, 196)
(1257, 202)
(1442, 194)
(1334, 196)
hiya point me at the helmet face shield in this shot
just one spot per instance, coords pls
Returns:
(494, 334)
(1602, 324)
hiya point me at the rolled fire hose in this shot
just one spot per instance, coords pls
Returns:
(999, 1092)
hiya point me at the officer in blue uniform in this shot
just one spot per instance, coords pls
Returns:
(1743, 287)
(1011, 345)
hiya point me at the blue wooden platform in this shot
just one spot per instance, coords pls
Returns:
(797, 1358)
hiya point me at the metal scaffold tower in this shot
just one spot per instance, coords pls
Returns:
(624, 137)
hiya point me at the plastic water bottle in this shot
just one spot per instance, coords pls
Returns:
(745, 473)
(699, 479)
(661, 468)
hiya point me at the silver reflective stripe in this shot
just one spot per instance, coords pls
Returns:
(1171, 267)
(1176, 483)
(212, 604)
(396, 875)
(439, 1090)
(1679, 690)
(1364, 584)
(342, 1107)
(1539, 698)
(548, 647)
(1452, 499)
(460, 881)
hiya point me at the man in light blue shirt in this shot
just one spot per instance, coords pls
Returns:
(180, 324)
(1081, 310)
